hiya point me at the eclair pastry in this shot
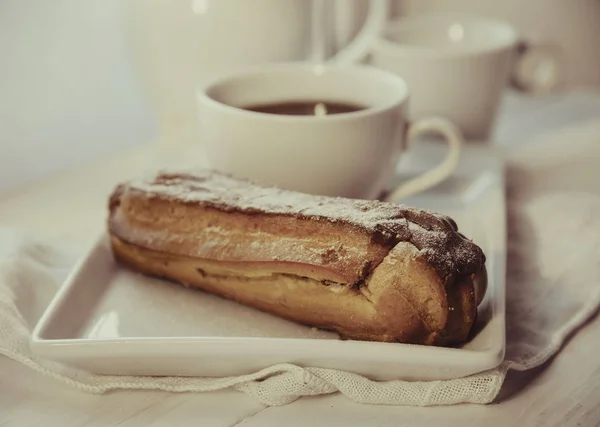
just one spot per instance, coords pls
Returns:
(367, 270)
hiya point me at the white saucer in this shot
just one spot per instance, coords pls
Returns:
(111, 321)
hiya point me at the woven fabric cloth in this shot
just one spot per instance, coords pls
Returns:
(552, 289)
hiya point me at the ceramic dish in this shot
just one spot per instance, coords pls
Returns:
(109, 320)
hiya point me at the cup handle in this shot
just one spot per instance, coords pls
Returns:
(453, 137)
(537, 69)
(358, 49)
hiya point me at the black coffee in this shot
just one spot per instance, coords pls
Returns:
(306, 108)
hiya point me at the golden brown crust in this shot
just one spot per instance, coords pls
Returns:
(368, 270)
(207, 213)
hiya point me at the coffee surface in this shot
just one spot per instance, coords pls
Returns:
(305, 108)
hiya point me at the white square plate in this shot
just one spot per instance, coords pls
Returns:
(109, 320)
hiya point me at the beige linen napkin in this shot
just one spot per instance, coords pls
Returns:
(552, 288)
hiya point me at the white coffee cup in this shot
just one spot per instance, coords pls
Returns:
(456, 66)
(350, 154)
(571, 29)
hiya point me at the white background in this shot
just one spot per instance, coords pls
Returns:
(68, 93)
(67, 90)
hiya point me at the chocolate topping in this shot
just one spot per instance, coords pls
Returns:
(435, 235)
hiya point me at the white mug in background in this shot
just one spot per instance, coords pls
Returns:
(570, 29)
(178, 45)
(352, 154)
(457, 66)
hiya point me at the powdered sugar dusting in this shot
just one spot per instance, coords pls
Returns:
(435, 235)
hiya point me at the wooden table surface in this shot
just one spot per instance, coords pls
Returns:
(71, 208)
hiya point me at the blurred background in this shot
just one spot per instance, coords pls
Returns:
(70, 92)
